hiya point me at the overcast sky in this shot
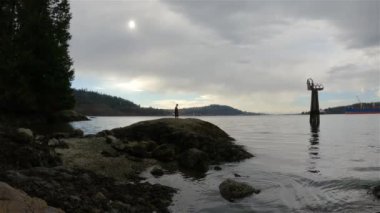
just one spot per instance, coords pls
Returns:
(252, 55)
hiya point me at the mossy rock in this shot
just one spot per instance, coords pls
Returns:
(185, 134)
(232, 190)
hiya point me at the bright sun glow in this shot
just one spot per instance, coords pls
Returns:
(131, 24)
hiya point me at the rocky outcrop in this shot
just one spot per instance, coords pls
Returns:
(68, 116)
(105, 179)
(232, 190)
(194, 159)
(23, 135)
(14, 200)
(164, 152)
(177, 139)
(76, 190)
(16, 155)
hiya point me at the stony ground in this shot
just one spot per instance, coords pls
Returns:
(84, 181)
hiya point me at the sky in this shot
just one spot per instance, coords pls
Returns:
(252, 55)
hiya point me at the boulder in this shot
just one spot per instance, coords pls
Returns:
(111, 139)
(119, 146)
(59, 135)
(57, 143)
(99, 197)
(232, 190)
(217, 168)
(77, 133)
(137, 149)
(23, 135)
(157, 172)
(194, 159)
(14, 200)
(376, 191)
(141, 148)
(164, 152)
(104, 133)
(53, 142)
(110, 153)
(184, 134)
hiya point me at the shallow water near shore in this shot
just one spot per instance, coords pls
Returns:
(298, 169)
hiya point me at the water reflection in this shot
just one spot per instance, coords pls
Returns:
(313, 149)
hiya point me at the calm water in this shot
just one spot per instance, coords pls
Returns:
(297, 169)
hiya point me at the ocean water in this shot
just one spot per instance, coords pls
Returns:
(298, 169)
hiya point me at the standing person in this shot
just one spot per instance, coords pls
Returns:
(176, 111)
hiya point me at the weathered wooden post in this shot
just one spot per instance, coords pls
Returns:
(314, 107)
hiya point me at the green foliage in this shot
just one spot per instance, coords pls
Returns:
(213, 109)
(96, 104)
(93, 103)
(36, 71)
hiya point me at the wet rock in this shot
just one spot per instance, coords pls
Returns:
(217, 168)
(120, 206)
(376, 191)
(110, 153)
(13, 200)
(23, 135)
(157, 172)
(164, 152)
(57, 143)
(59, 135)
(53, 142)
(77, 133)
(40, 139)
(90, 136)
(237, 175)
(111, 139)
(194, 159)
(182, 135)
(137, 149)
(141, 148)
(232, 190)
(86, 191)
(119, 146)
(99, 197)
(104, 133)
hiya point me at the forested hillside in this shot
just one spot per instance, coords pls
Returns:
(342, 109)
(93, 103)
(96, 104)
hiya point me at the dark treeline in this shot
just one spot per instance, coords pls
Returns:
(214, 109)
(96, 104)
(93, 103)
(35, 67)
(342, 109)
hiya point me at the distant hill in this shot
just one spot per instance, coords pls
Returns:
(96, 104)
(214, 109)
(342, 109)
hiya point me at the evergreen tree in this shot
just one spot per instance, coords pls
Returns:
(40, 72)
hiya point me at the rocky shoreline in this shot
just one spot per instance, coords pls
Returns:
(72, 172)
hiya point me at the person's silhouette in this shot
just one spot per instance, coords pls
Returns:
(176, 111)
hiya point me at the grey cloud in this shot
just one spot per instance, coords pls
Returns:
(251, 21)
(352, 77)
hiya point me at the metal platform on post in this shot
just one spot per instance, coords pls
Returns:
(314, 107)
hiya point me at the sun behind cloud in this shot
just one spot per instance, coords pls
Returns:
(131, 24)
